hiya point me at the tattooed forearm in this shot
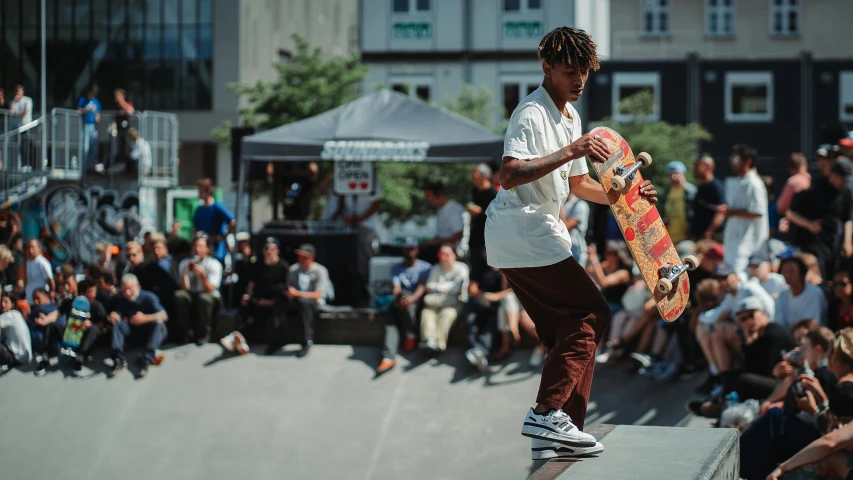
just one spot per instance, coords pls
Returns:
(516, 172)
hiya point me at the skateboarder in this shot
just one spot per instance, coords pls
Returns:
(543, 161)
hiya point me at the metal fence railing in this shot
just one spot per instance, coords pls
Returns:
(66, 144)
(157, 154)
(23, 162)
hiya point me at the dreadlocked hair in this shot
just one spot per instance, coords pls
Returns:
(571, 46)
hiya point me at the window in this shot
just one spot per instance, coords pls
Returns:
(519, 5)
(656, 17)
(749, 97)
(415, 87)
(516, 88)
(628, 84)
(845, 96)
(784, 17)
(720, 17)
(410, 6)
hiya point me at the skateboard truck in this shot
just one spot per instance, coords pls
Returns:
(669, 273)
(622, 175)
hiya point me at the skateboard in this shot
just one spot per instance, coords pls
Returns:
(664, 272)
(74, 328)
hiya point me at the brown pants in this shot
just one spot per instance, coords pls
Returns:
(571, 317)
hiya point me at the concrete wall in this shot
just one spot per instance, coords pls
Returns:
(825, 31)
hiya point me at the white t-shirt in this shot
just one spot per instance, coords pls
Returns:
(16, 335)
(38, 273)
(746, 288)
(775, 285)
(450, 219)
(743, 236)
(523, 225)
(811, 303)
(25, 104)
(361, 204)
(212, 269)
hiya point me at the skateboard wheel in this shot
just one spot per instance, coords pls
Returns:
(617, 183)
(664, 285)
(645, 158)
(691, 262)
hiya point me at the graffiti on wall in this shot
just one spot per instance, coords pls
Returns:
(70, 221)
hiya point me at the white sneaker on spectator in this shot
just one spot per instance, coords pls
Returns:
(555, 426)
(537, 357)
(432, 344)
(477, 358)
(240, 344)
(644, 360)
(545, 449)
(602, 357)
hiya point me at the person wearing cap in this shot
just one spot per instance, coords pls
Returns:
(709, 195)
(799, 180)
(761, 347)
(738, 286)
(745, 211)
(264, 301)
(676, 203)
(761, 269)
(802, 299)
(408, 280)
(307, 287)
(824, 213)
(198, 298)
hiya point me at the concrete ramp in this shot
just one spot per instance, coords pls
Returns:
(652, 453)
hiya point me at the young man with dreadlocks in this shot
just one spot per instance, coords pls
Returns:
(543, 161)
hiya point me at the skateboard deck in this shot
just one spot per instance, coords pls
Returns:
(74, 327)
(641, 225)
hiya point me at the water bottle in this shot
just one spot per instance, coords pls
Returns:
(732, 399)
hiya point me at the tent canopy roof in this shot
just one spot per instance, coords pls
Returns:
(382, 126)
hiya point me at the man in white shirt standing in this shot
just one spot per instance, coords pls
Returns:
(747, 227)
(22, 108)
(452, 224)
(525, 238)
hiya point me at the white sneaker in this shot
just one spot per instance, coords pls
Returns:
(555, 426)
(543, 449)
(228, 342)
(477, 359)
(240, 344)
(432, 344)
(537, 357)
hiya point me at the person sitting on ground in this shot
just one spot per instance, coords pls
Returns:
(15, 343)
(512, 320)
(761, 346)
(782, 431)
(6, 261)
(263, 302)
(137, 313)
(47, 327)
(39, 274)
(828, 456)
(801, 300)
(164, 259)
(408, 280)
(90, 336)
(104, 252)
(103, 280)
(481, 315)
(447, 289)
(635, 303)
(198, 298)
(841, 306)
(152, 278)
(308, 287)
(612, 274)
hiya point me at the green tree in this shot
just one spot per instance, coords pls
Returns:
(403, 183)
(310, 84)
(665, 142)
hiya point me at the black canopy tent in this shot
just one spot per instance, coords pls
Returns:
(382, 126)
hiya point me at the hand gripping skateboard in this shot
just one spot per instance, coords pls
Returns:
(640, 223)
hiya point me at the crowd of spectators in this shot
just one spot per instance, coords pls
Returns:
(769, 316)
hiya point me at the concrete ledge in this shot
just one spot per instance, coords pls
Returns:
(651, 453)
